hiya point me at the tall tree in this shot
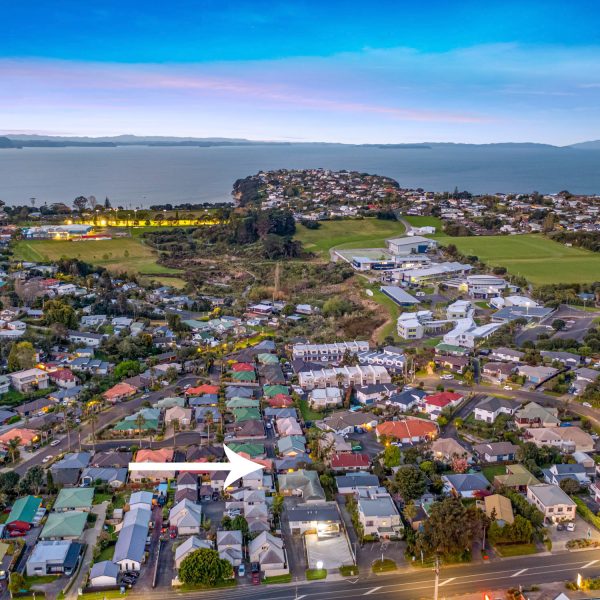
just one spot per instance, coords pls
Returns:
(22, 356)
(409, 482)
(205, 567)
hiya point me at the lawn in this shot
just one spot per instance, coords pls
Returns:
(515, 549)
(348, 233)
(393, 310)
(287, 578)
(314, 574)
(107, 553)
(117, 254)
(534, 257)
(492, 471)
(417, 221)
(307, 413)
(383, 566)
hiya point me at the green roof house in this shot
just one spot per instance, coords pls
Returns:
(74, 499)
(253, 450)
(243, 376)
(267, 359)
(272, 390)
(24, 510)
(64, 525)
(237, 402)
(246, 414)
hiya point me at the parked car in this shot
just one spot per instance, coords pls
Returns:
(47, 459)
(215, 496)
(571, 526)
(255, 578)
(507, 387)
(254, 567)
(241, 570)
(17, 533)
(560, 527)
(55, 442)
(447, 376)
(587, 405)
(234, 512)
(173, 532)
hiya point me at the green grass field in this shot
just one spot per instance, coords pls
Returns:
(119, 254)
(417, 221)
(354, 233)
(534, 257)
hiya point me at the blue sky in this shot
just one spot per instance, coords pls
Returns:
(308, 71)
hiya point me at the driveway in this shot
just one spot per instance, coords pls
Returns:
(90, 537)
(144, 582)
(294, 545)
(582, 531)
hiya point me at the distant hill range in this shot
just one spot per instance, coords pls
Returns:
(40, 141)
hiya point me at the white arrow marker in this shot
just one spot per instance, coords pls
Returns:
(238, 466)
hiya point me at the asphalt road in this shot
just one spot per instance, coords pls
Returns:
(414, 583)
(105, 418)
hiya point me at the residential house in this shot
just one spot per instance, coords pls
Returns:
(535, 415)
(92, 340)
(291, 445)
(288, 426)
(346, 422)
(54, 558)
(507, 355)
(229, 545)
(555, 504)
(517, 477)
(410, 430)
(447, 449)
(111, 458)
(466, 485)
(349, 462)
(68, 470)
(352, 483)
(25, 513)
(498, 372)
(496, 452)
(406, 399)
(26, 437)
(568, 439)
(536, 375)
(145, 455)
(356, 376)
(120, 392)
(491, 407)
(115, 477)
(64, 525)
(70, 499)
(333, 352)
(104, 574)
(557, 473)
(187, 517)
(373, 393)
(379, 516)
(302, 483)
(434, 404)
(269, 552)
(29, 380)
(323, 519)
(499, 508)
(63, 378)
(322, 398)
(183, 416)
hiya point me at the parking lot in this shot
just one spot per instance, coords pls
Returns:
(333, 552)
(582, 531)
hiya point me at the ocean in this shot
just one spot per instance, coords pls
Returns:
(141, 176)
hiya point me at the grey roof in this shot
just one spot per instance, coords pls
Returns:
(495, 448)
(229, 538)
(511, 313)
(492, 404)
(585, 373)
(357, 480)
(377, 507)
(107, 474)
(398, 295)
(112, 458)
(142, 497)
(292, 462)
(105, 568)
(468, 482)
(280, 413)
(74, 460)
(131, 543)
(408, 397)
(314, 512)
(549, 494)
(243, 392)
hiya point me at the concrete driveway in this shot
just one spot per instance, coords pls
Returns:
(582, 531)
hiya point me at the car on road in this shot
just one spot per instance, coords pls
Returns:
(47, 459)
(508, 388)
(587, 405)
(571, 526)
(55, 442)
(420, 294)
(447, 377)
(144, 396)
(241, 571)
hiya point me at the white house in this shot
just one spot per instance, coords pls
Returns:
(28, 380)
(555, 504)
(491, 407)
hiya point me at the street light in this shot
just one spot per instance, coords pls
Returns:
(319, 564)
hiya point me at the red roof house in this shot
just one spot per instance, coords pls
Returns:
(408, 430)
(202, 389)
(242, 366)
(350, 462)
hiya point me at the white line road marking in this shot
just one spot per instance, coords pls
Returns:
(447, 581)
(371, 591)
(592, 562)
(299, 597)
(519, 573)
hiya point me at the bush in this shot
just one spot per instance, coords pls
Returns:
(585, 513)
(349, 570)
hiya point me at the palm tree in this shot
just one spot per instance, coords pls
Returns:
(13, 448)
(64, 409)
(93, 419)
(139, 423)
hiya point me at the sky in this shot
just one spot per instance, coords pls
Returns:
(353, 72)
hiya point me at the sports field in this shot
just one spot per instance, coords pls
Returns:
(122, 254)
(534, 257)
(418, 221)
(354, 233)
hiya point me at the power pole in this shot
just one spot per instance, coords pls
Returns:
(276, 281)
